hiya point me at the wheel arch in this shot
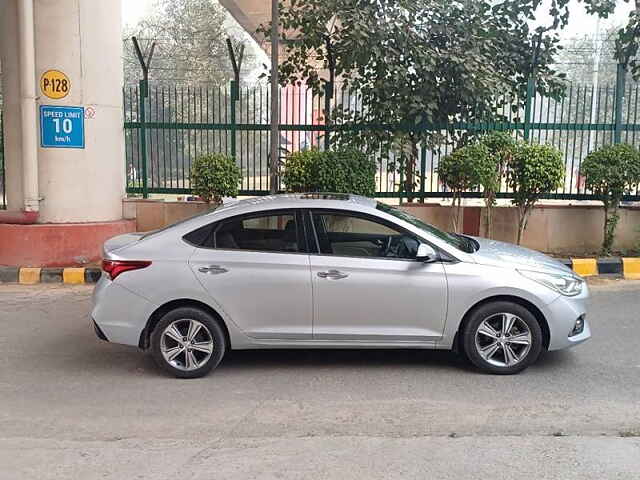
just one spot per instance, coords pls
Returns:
(155, 317)
(535, 311)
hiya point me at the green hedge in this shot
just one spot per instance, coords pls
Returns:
(337, 171)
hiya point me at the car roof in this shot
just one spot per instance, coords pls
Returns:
(297, 200)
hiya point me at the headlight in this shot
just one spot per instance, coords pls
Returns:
(568, 285)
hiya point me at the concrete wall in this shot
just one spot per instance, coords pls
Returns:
(82, 38)
(154, 214)
(554, 229)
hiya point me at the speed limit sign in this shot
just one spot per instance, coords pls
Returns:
(55, 84)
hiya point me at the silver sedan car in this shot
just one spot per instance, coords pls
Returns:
(331, 271)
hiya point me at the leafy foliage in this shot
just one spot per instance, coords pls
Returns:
(339, 171)
(532, 171)
(418, 63)
(214, 176)
(297, 171)
(611, 172)
(464, 169)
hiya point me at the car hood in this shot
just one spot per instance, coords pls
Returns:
(502, 254)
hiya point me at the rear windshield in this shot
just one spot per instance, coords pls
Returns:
(179, 222)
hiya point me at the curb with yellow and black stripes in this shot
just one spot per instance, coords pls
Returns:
(612, 266)
(587, 267)
(33, 275)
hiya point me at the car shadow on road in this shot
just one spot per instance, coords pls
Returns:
(96, 357)
(342, 358)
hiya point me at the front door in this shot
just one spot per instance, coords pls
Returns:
(258, 273)
(368, 285)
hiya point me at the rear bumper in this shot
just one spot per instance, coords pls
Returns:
(119, 314)
(99, 333)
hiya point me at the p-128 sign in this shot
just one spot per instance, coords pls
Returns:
(55, 84)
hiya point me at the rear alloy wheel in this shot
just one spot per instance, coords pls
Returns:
(187, 343)
(502, 338)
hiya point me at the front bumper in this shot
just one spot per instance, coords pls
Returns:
(561, 315)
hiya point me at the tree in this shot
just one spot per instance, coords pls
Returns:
(418, 65)
(611, 172)
(577, 58)
(533, 171)
(461, 171)
(190, 38)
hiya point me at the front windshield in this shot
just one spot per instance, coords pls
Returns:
(458, 241)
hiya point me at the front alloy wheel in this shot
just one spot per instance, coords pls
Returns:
(502, 337)
(187, 342)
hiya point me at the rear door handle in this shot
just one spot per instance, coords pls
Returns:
(333, 274)
(213, 269)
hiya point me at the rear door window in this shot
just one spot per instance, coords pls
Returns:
(267, 233)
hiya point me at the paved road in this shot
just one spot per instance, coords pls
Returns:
(74, 407)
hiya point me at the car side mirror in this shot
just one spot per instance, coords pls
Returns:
(426, 253)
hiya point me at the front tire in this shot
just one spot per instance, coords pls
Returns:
(502, 338)
(187, 343)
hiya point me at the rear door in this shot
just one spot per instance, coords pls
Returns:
(257, 270)
(368, 286)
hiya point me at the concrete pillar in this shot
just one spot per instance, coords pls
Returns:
(81, 38)
(78, 191)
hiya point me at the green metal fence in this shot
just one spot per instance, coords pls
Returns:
(172, 125)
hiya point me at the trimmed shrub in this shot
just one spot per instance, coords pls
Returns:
(339, 171)
(462, 170)
(500, 146)
(532, 171)
(214, 176)
(611, 172)
(297, 170)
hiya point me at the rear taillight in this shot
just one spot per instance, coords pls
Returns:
(113, 268)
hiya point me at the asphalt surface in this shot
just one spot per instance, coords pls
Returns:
(72, 406)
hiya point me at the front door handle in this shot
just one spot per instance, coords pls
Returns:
(333, 274)
(213, 269)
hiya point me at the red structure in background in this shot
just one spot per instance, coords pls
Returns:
(57, 244)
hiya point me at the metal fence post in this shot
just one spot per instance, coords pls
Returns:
(143, 137)
(621, 73)
(531, 92)
(423, 173)
(328, 94)
(235, 95)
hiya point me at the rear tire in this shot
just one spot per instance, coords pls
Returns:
(187, 342)
(502, 338)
